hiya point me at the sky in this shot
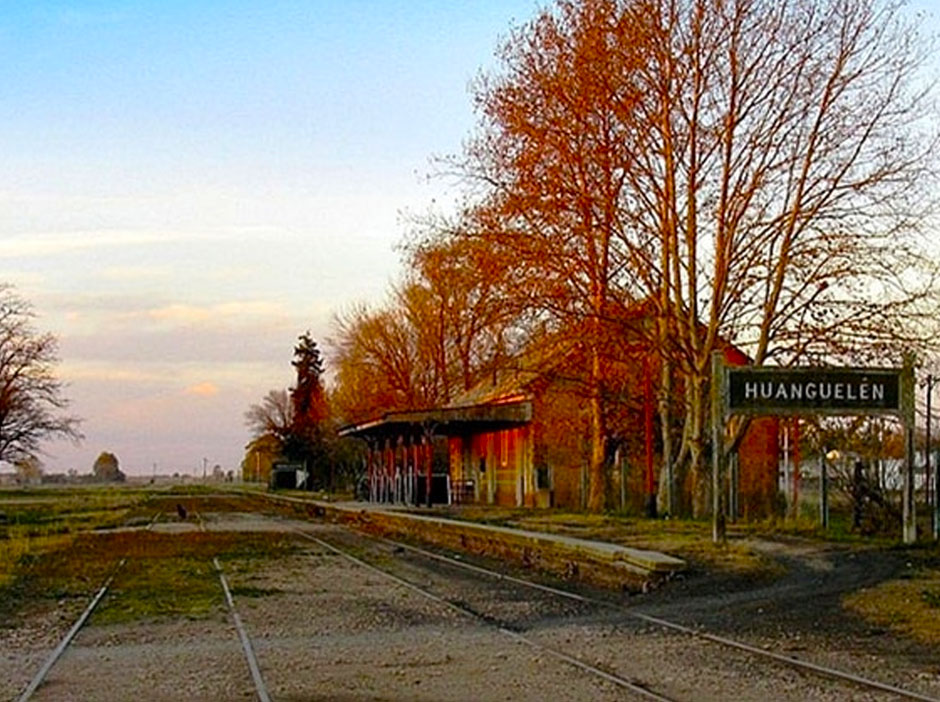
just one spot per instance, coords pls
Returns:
(185, 187)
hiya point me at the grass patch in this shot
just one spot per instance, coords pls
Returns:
(254, 591)
(166, 575)
(907, 605)
(57, 544)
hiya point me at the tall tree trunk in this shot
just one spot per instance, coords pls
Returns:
(699, 472)
(598, 479)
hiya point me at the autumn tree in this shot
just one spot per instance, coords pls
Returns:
(32, 403)
(474, 320)
(107, 469)
(447, 323)
(760, 171)
(376, 361)
(552, 154)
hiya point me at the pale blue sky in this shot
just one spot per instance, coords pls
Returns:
(187, 186)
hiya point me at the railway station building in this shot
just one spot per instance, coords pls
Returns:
(519, 438)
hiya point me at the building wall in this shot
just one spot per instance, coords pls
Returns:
(758, 462)
(504, 466)
(492, 467)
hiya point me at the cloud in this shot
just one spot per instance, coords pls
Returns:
(204, 389)
(135, 273)
(58, 245)
(180, 314)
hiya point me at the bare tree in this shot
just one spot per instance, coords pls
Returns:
(32, 403)
(274, 415)
(785, 167)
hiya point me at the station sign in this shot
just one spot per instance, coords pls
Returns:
(813, 390)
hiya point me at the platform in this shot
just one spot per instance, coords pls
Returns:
(596, 561)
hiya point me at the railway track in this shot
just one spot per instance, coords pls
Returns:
(42, 674)
(858, 682)
(432, 576)
(617, 680)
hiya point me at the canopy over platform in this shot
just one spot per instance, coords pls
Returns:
(445, 421)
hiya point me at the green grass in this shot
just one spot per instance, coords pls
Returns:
(63, 543)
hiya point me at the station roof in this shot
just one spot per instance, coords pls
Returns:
(446, 421)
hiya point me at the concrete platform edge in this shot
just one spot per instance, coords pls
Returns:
(597, 562)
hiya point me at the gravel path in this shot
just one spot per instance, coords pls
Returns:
(324, 628)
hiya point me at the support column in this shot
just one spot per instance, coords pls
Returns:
(823, 490)
(907, 406)
(370, 471)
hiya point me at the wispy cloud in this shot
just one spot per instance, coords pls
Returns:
(203, 389)
(136, 273)
(242, 314)
(33, 246)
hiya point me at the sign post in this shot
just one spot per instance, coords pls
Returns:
(752, 391)
(719, 415)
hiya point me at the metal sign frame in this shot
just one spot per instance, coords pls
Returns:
(846, 391)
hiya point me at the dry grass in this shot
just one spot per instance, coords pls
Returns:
(57, 544)
(909, 606)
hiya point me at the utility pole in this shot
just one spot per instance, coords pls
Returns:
(204, 462)
(909, 524)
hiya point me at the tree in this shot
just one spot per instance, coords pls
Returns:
(260, 454)
(307, 439)
(107, 469)
(380, 363)
(761, 171)
(784, 175)
(274, 415)
(467, 321)
(28, 471)
(32, 404)
(553, 153)
(297, 420)
(308, 398)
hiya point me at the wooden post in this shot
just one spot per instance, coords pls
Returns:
(907, 411)
(796, 467)
(428, 462)
(823, 490)
(718, 427)
(733, 487)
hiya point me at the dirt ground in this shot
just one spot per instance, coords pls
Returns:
(324, 628)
